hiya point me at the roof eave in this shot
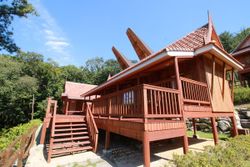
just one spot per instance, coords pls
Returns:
(159, 56)
(220, 54)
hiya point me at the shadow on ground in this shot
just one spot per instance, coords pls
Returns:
(128, 152)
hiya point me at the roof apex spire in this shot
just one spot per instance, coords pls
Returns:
(122, 60)
(141, 49)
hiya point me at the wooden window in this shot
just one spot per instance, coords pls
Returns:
(128, 97)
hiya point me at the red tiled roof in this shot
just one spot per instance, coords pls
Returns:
(73, 90)
(190, 42)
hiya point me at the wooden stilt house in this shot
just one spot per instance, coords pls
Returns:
(242, 54)
(150, 100)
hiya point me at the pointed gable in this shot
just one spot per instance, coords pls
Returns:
(196, 39)
(124, 63)
(243, 47)
(141, 49)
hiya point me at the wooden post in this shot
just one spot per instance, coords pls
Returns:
(107, 140)
(185, 143)
(33, 106)
(179, 87)
(214, 128)
(146, 150)
(234, 130)
(145, 103)
(224, 79)
(213, 73)
(67, 107)
(194, 128)
(232, 89)
(109, 108)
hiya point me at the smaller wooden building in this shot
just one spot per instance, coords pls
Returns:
(72, 101)
(242, 54)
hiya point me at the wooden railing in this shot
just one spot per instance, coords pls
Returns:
(195, 92)
(51, 107)
(127, 103)
(92, 128)
(52, 133)
(162, 102)
(146, 101)
(18, 149)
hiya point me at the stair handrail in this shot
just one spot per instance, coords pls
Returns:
(52, 134)
(53, 119)
(93, 130)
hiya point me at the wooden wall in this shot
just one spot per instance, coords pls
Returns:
(221, 102)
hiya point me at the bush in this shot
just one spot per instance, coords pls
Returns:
(234, 153)
(7, 136)
(241, 95)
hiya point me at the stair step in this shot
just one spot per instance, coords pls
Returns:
(69, 144)
(69, 134)
(67, 125)
(69, 150)
(72, 129)
(71, 138)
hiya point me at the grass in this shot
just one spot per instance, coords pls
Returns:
(206, 135)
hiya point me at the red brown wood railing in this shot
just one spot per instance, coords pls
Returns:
(195, 92)
(92, 128)
(47, 119)
(146, 101)
(162, 102)
(52, 134)
(9, 155)
(127, 103)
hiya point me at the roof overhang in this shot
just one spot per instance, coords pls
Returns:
(143, 64)
(222, 55)
(164, 55)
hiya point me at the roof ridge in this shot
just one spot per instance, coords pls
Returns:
(78, 83)
(199, 30)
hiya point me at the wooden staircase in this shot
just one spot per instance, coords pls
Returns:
(69, 133)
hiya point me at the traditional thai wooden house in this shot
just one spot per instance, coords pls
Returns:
(151, 100)
(71, 97)
(242, 54)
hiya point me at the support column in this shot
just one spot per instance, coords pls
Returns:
(194, 128)
(107, 140)
(146, 150)
(214, 128)
(234, 126)
(185, 144)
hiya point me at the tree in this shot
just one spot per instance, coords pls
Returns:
(15, 93)
(98, 70)
(8, 10)
(231, 41)
(227, 41)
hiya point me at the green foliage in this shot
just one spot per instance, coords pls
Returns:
(15, 93)
(230, 41)
(241, 95)
(9, 9)
(98, 70)
(207, 135)
(27, 73)
(234, 153)
(7, 136)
